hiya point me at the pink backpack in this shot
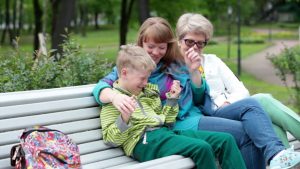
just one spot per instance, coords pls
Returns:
(41, 147)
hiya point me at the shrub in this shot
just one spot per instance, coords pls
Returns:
(288, 63)
(20, 72)
(251, 40)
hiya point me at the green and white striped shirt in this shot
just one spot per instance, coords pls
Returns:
(149, 113)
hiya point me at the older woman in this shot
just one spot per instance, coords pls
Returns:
(227, 112)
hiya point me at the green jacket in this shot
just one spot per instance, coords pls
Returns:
(148, 114)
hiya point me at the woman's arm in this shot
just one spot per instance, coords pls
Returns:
(103, 94)
(105, 85)
(198, 92)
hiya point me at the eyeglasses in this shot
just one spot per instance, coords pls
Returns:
(190, 43)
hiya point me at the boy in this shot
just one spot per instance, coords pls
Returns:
(146, 133)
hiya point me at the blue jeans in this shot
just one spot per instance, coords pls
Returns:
(251, 128)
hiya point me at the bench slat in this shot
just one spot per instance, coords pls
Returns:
(93, 146)
(176, 164)
(47, 119)
(92, 140)
(46, 107)
(68, 128)
(123, 165)
(87, 136)
(152, 163)
(5, 164)
(110, 162)
(36, 96)
(85, 148)
(101, 155)
(89, 148)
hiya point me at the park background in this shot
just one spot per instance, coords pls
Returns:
(56, 43)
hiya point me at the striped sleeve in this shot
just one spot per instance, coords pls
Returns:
(170, 110)
(113, 128)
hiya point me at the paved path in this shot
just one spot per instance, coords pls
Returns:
(262, 68)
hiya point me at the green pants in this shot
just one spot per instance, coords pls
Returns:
(283, 118)
(201, 146)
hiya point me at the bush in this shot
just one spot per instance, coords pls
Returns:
(251, 40)
(20, 72)
(288, 63)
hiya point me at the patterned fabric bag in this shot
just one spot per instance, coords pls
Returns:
(43, 148)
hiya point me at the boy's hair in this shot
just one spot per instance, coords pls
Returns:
(134, 57)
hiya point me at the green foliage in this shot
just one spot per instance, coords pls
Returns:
(251, 40)
(289, 64)
(20, 72)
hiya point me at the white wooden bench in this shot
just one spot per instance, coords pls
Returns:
(74, 111)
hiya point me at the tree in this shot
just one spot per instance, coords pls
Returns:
(7, 22)
(20, 27)
(62, 17)
(144, 12)
(83, 11)
(125, 16)
(38, 13)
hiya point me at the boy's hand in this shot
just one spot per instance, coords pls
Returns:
(175, 89)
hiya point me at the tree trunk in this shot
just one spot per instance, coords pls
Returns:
(83, 19)
(125, 16)
(38, 13)
(64, 17)
(55, 5)
(75, 26)
(7, 22)
(14, 17)
(96, 20)
(143, 10)
(20, 27)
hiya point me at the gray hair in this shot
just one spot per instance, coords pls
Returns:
(193, 23)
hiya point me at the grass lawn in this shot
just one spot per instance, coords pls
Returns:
(106, 41)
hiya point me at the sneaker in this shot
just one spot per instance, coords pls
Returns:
(285, 159)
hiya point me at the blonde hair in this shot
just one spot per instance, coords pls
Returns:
(134, 57)
(159, 30)
(193, 23)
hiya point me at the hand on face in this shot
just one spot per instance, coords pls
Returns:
(192, 59)
(175, 89)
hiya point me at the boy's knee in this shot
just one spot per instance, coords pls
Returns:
(228, 137)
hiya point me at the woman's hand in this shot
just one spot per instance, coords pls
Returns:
(125, 104)
(192, 60)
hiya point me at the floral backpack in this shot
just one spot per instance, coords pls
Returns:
(41, 148)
